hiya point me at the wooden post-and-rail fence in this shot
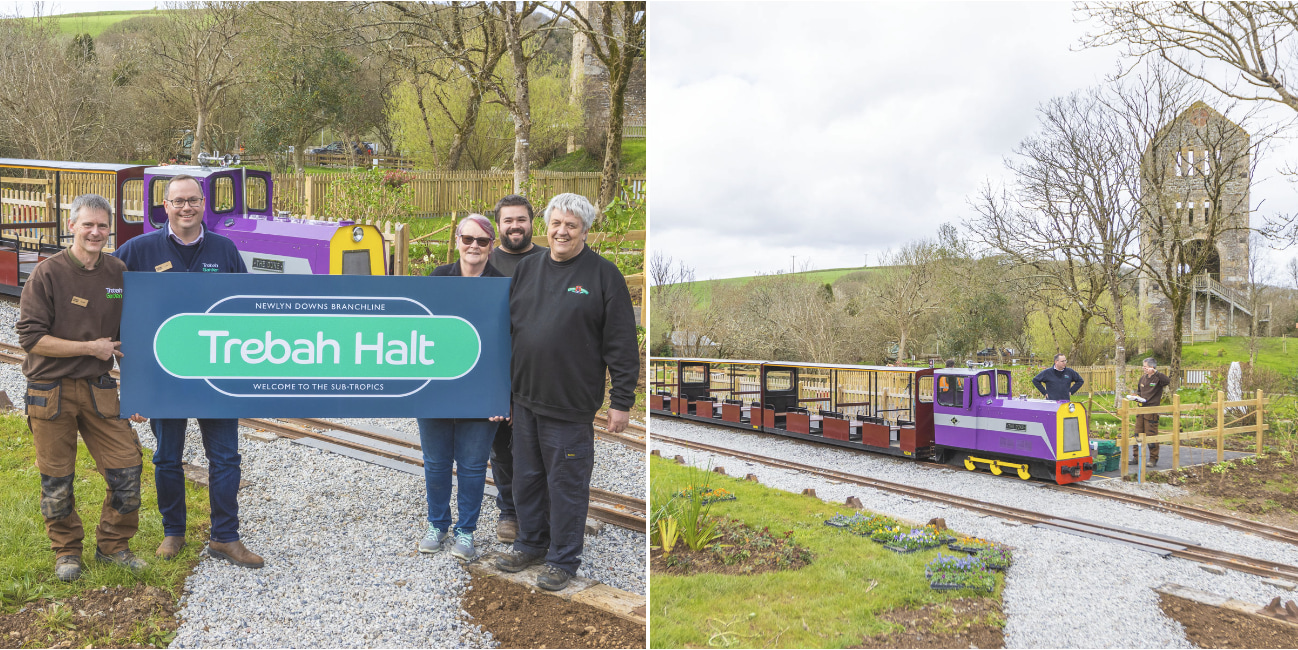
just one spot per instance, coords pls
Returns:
(1176, 436)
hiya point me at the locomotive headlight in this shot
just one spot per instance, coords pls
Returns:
(1071, 407)
(358, 234)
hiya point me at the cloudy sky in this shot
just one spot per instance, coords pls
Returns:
(782, 133)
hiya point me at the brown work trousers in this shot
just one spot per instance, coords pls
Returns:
(55, 412)
(1148, 425)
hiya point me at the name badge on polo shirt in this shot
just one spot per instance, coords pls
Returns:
(162, 267)
(80, 302)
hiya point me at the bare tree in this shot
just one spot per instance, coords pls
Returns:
(1259, 295)
(52, 106)
(616, 34)
(197, 54)
(1253, 38)
(1073, 212)
(907, 290)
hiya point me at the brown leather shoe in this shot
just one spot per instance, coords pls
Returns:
(506, 531)
(235, 553)
(170, 547)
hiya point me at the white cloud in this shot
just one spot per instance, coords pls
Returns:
(833, 130)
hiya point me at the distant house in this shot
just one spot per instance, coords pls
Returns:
(690, 344)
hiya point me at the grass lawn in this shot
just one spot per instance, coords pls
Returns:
(94, 22)
(834, 602)
(633, 159)
(26, 561)
(1280, 355)
(703, 288)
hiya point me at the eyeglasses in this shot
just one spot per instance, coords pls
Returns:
(469, 240)
(193, 202)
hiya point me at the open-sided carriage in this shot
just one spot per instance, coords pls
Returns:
(949, 414)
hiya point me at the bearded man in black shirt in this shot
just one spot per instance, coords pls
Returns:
(571, 320)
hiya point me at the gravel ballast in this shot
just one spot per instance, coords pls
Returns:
(339, 538)
(1063, 590)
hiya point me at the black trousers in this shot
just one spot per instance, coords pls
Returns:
(502, 470)
(553, 461)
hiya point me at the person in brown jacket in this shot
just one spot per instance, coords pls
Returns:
(69, 322)
(1149, 389)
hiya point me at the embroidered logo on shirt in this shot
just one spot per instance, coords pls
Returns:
(211, 267)
(112, 294)
(578, 290)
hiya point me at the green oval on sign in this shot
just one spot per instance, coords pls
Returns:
(283, 346)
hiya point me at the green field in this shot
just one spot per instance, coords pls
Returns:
(834, 602)
(95, 22)
(703, 288)
(1278, 354)
(633, 159)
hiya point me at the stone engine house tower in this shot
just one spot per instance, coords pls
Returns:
(1195, 179)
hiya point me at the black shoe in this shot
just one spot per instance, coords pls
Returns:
(516, 561)
(553, 578)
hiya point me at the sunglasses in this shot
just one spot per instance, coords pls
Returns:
(469, 240)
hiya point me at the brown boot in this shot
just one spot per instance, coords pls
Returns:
(506, 531)
(170, 547)
(235, 553)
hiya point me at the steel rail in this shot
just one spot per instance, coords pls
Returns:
(622, 512)
(1256, 528)
(619, 509)
(1191, 552)
(1260, 529)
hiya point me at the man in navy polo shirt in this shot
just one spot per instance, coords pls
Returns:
(184, 245)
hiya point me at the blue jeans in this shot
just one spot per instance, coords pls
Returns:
(468, 444)
(221, 444)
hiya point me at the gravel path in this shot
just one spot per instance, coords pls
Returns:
(1063, 591)
(339, 538)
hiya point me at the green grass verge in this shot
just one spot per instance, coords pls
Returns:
(95, 22)
(703, 288)
(633, 159)
(1275, 353)
(825, 605)
(26, 562)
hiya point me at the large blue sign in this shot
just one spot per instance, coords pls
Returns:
(233, 345)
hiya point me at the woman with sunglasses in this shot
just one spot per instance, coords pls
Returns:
(465, 442)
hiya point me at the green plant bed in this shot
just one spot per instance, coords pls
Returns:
(836, 601)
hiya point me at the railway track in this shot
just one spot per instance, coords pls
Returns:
(608, 507)
(1256, 528)
(1146, 541)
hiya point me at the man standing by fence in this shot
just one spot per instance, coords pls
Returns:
(514, 222)
(1058, 382)
(1149, 392)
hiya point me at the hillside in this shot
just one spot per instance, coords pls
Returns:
(95, 22)
(704, 287)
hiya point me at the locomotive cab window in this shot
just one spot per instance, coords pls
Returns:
(255, 194)
(157, 188)
(985, 385)
(222, 194)
(950, 391)
(1072, 436)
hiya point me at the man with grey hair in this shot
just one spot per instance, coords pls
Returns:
(571, 320)
(1149, 392)
(69, 324)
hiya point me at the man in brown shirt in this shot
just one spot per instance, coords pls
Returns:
(71, 310)
(1150, 389)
